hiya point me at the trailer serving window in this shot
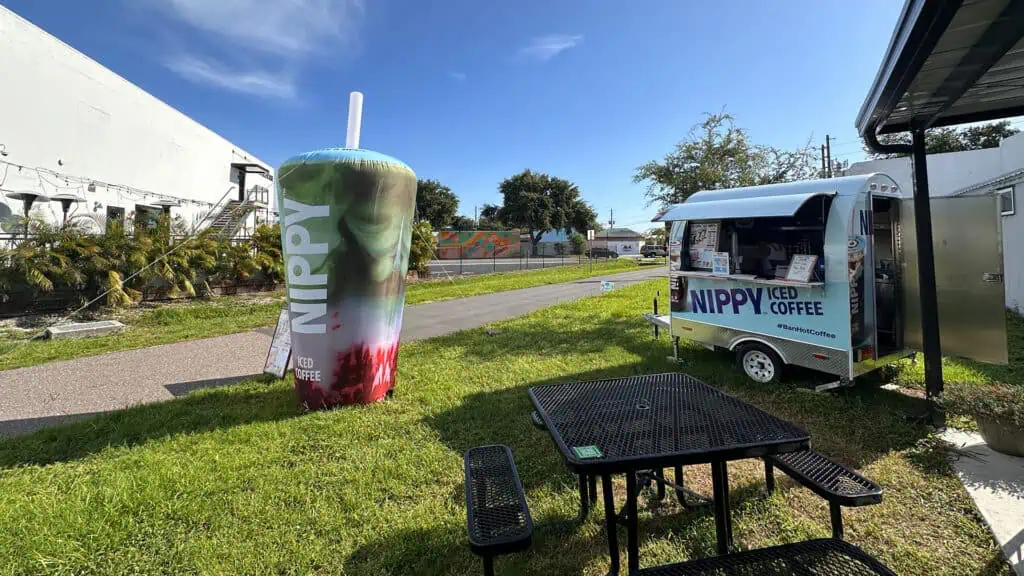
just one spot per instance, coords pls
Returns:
(761, 245)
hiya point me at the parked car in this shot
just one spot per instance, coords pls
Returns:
(603, 253)
(653, 251)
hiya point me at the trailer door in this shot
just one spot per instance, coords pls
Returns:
(967, 238)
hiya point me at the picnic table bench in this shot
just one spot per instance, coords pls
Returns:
(497, 517)
(825, 557)
(834, 482)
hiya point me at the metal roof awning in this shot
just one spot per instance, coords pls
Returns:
(761, 207)
(949, 62)
(1010, 178)
(253, 168)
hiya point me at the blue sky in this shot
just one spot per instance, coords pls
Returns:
(469, 92)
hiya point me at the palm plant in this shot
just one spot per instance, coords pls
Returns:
(120, 257)
(123, 266)
(235, 262)
(266, 241)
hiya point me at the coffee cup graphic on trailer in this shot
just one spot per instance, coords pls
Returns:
(855, 261)
(346, 227)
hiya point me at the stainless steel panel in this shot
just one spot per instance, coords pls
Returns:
(968, 244)
(836, 361)
(696, 208)
(911, 301)
(870, 365)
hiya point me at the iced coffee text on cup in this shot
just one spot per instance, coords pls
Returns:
(313, 305)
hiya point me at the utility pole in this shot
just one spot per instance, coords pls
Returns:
(476, 220)
(824, 173)
(611, 219)
(828, 153)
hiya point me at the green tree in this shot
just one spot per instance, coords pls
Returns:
(537, 203)
(435, 203)
(421, 250)
(491, 218)
(951, 139)
(578, 242)
(715, 155)
(656, 236)
(462, 223)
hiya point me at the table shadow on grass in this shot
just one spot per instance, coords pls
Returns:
(560, 545)
(204, 411)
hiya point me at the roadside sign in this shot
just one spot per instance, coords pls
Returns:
(280, 347)
(590, 234)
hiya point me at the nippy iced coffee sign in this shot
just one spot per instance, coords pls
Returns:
(810, 314)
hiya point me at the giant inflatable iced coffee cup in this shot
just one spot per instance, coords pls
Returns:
(346, 225)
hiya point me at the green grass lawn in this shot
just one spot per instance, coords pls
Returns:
(227, 315)
(443, 288)
(238, 480)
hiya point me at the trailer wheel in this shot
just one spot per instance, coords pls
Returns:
(759, 362)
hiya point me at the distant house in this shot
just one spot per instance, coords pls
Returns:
(623, 241)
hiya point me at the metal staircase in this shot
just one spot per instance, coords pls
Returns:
(234, 214)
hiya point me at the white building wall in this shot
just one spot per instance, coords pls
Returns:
(1012, 155)
(625, 247)
(953, 171)
(947, 173)
(1013, 257)
(78, 127)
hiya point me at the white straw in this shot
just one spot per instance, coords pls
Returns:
(355, 119)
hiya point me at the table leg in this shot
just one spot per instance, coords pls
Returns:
(611, 523)
(680, 495)
(584, 498)
(593, 489)
(659, 474)
(632, 537)
(723, 521)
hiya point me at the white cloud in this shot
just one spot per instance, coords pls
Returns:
(457, 76)
(256, 82)
(249, 38)
(544, 48)
(291, 28)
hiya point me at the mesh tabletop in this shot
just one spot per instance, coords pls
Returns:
(663, 419)
(827, 557)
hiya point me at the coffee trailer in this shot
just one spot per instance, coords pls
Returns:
(823, 274)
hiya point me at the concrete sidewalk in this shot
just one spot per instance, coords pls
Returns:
(996, 484)
(39, 396)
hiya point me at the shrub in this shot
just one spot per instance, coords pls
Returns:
(266, 240)
(421, 250)
(995, 401)
(579, 243)
(128, 264)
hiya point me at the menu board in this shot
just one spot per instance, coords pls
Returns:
(280, 347)
(703, 242)
(720, 263)
(801, 267)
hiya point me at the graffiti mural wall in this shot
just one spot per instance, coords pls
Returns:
(478, 244)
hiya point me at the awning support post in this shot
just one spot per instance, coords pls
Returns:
(932, 346)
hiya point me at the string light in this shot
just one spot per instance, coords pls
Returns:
(72, 182)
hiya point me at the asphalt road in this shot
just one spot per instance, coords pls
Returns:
(44, 395)
(484, 265)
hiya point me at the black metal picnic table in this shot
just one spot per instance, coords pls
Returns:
(639, 423)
